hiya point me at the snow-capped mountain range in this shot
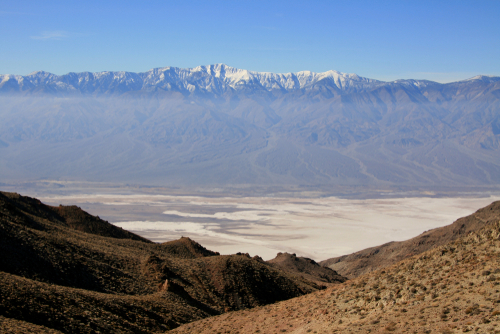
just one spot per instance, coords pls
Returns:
(217, 79)
(222, 125)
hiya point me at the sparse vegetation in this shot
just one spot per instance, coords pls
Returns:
(440, 304)
(63, 269)
(61, 279)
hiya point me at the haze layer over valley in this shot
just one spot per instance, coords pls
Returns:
(221, 126)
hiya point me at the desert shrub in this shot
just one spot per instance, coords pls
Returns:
(391, 327)
(474, 309)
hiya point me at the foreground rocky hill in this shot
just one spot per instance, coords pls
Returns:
(454, 288)
(62, 269)
(374, 258)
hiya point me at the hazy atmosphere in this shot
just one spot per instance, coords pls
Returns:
(250, 99)
(241, 167)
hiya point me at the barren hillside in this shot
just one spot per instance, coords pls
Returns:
(63, 269)
(450, 289)
(374, 258)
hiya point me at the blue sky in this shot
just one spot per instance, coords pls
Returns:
(437, 40)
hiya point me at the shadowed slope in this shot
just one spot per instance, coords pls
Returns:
(54, 274)
(11, 326)
(80, 220)
(306, 268)
(27, 208)
(187, 248)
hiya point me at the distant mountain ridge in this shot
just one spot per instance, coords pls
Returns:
(218, 125)
(216, 79)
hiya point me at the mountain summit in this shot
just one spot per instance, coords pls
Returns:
(215, 79)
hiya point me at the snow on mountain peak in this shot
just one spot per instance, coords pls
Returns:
(485, 78)
(215, 78)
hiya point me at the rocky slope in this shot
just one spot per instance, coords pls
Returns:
(374, 258)
(452, 288)
(305, 267)
(23, 208)
(65, 270)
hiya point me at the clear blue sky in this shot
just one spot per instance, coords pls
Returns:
(437, 40)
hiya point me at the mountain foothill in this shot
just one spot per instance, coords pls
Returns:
(65, 271)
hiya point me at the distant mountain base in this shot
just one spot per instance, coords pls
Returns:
(221, 126)
(74, 186)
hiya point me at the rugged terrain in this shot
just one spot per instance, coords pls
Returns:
(370, 259)
(218, 125)
(454, 288)
(64, 270)
(306, 267)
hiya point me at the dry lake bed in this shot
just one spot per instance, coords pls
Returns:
(318, 228)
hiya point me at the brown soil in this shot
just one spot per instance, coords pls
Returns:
(13, 326)
(187, 249)
(374, 258)
(306, 268)
(66, 270)
(453, 288)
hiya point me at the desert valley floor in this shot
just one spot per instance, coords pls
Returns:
(318, 228)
